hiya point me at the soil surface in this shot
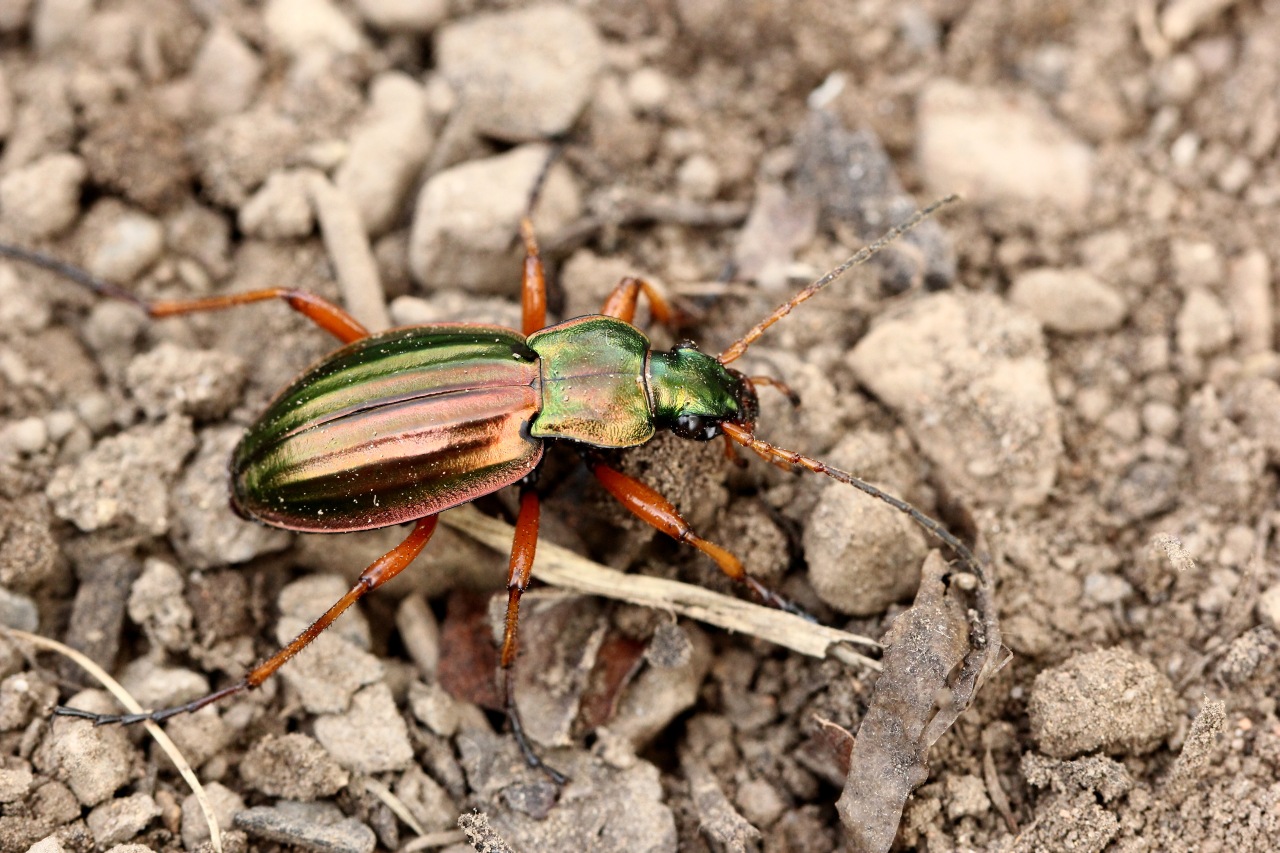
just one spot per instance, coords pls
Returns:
(1073, 368)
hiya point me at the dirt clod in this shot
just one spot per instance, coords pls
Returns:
(1111, 699)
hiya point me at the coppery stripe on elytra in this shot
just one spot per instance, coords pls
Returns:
(417, 442)
(372, 394)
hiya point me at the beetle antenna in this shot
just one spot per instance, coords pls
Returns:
(862, 256)
(540, 180)
(743, 436)
(84, 278)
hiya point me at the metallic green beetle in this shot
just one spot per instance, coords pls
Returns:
(398, 426)
(408, 423)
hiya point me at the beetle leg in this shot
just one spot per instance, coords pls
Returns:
(622, 302)
(533, 300)
(320, 311)
(379, 572)
(523, 547)
(652, 508)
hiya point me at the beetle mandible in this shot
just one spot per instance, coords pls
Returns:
(398, 426)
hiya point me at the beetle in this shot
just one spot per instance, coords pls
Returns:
(398, 426)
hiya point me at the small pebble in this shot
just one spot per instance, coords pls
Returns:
(648, 90)
(698, 178)
(60, 424)
(124, 481)
(172, 379)
(434, 707)
(524, 74)
(222, 800)
(1113, 700)
(94, 762)
(466, 220)
(1161, 419)
(292, 766)
(17, 611)
(387, 151)
(225, 73)
(15, 780)
(238, 153)
(314, 826)
(1176, 80)
(157, 603)
(157, 686)
(130, 244)
(121, 819)
(403, 16)
(969, 376)
(1106, 589)
(22, 308)
(992, 147)
(863, 555)
(28, 436)
(280, 209)
(337, 663)
(42, 199)
(1203, 324)
(1196, 264)
(299, 26)
(1070, 301)
(55, 23)
(966, 796)
(760, 803)
(1268, 608)
(369, 738)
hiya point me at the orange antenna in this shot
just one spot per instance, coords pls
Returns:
(863, 255)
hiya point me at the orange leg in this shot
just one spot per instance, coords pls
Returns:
(523, 548)
(379, 572)
(323, 313)
(653, 509)
(533, 299)
(622, 302)
(320, 311)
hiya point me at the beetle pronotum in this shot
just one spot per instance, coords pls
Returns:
(398, 426)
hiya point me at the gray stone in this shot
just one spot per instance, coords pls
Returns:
(1112, 700)
(369, 738)
(124, 480)
(1071, 301)
(225, 73)
(206, 533)
(120, 819)
(195, 826)
(863, 554)
(292, 766)
(131, 242)
(315, 826)
(524, 74)
(992, 147)
(386, 151)
(970, 378)
(42, 199)
(172, 379)
(466, 220)
(300, 26)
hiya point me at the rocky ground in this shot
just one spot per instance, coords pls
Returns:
(1074, 368)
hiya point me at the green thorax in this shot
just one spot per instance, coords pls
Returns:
(603, 386)
(593, 385)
